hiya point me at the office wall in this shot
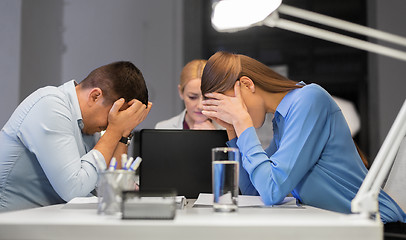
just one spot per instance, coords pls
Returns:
(41, 45)
(66, 39)
(10, 21)
(387, 76)
(148, 33)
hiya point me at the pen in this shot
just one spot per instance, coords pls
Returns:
(123, 160)
(113, 164)
(129, 162)
(135, 164)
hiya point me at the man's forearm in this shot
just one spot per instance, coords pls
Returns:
(108, 145)
(120, 149)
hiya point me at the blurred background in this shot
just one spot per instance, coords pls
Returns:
(49, 42)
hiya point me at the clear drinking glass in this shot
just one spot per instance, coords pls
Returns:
(225, 166)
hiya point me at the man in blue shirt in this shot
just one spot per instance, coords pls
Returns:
(48, 145)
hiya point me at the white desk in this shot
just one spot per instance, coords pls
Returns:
(82, 222)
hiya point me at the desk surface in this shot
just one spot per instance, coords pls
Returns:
(81, 221)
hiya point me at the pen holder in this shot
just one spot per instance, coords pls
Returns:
(110, 187)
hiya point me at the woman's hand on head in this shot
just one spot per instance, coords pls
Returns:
(228, 110)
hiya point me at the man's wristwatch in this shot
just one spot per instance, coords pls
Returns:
(126, 140)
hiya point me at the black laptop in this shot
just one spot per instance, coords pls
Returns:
(177, 159)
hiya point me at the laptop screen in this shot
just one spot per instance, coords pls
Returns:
(177, 159)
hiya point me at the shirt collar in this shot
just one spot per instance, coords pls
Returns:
(286, 102)
(70, 90)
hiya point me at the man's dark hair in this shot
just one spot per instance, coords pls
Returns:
(118, 80)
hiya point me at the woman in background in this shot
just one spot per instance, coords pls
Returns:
(189, 91)
(312, 154)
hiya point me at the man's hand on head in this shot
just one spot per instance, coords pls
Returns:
(124, 117)
(134, 100)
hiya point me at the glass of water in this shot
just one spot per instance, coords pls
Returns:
(225, 168)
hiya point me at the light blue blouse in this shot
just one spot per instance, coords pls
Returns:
(312, 155)
(44, 157)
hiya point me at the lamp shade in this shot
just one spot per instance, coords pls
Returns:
(236, 15)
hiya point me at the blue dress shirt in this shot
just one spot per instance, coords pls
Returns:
(44, 157)
(312, 155)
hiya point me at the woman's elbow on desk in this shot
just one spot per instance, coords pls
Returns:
(270, 193)
(269, 200)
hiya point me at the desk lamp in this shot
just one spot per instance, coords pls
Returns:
(236, 15)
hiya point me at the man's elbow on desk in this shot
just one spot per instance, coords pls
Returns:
(79, 185)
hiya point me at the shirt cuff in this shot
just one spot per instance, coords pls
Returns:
(232, 143)
(248, 140)
(98, 163)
